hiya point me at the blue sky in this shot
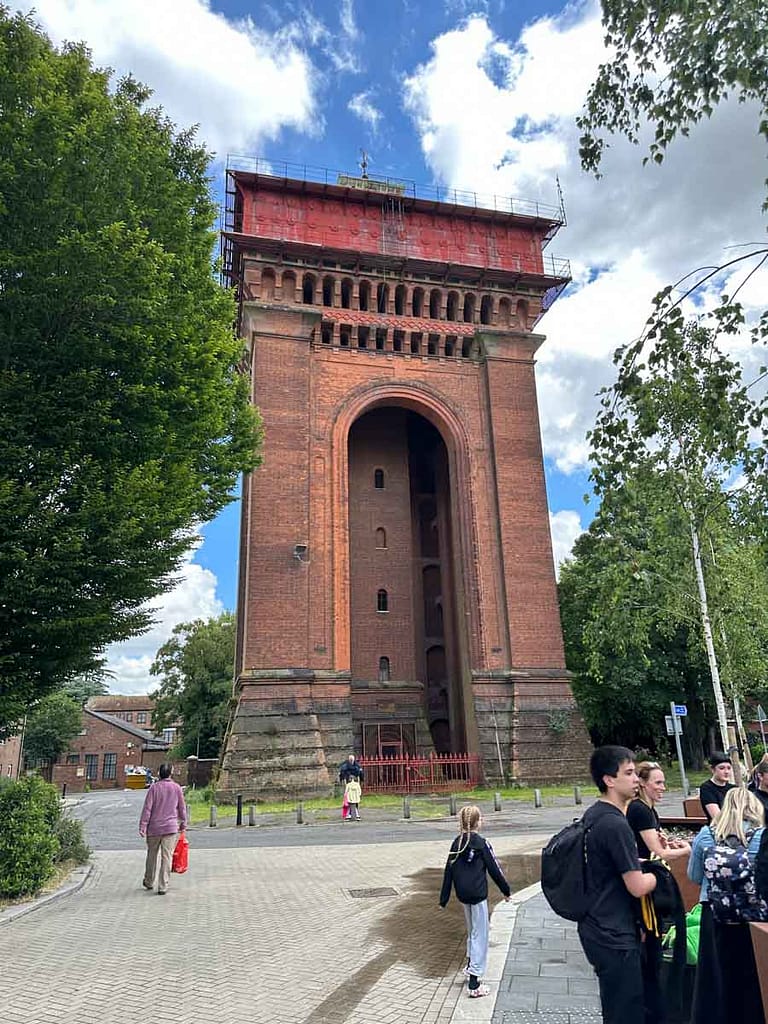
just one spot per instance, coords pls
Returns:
(464, 93)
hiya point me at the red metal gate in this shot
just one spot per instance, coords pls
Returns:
(438, 773)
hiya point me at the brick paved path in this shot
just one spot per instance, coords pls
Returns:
(546, 977)
(247, 936)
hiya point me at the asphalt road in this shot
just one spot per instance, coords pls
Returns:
(111, 822)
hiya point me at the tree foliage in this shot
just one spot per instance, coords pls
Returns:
(196, 667)
(673, 62)
(124, 419)
(51, 727)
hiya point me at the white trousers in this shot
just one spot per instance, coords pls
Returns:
(476, 916)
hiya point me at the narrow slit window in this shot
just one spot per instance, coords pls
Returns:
(381, 538)
(382, 601)
(383, 670)
(378, 479)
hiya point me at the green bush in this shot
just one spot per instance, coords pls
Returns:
(29, 814)
(72, 844)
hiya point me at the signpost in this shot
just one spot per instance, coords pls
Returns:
(762, 718)
(679, 711)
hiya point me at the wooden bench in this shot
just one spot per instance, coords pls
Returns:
(693, 815)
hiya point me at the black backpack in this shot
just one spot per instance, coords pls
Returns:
(564, 871)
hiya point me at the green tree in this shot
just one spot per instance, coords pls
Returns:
(51, 727)
(672, 63)
(93, 683)
(680, 424)
(196, 667)
(124, 415)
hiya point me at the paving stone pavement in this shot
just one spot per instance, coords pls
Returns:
(250, 936)
(545, 975)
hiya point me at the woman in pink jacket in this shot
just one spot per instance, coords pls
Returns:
(163, 816)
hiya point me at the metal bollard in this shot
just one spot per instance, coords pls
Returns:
(406, 807)
(189, 813)
(212, 823)
(239, 818)
(497, 801)
(63, 790)
(577, 794)
(299, 813)
(537, 798)
(452, 804)
(251, 814)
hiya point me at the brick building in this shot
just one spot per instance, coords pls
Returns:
(105, 750)
(397, 590)
(136, 709)
(10, 752)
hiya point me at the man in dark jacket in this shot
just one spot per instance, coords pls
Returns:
(350, 769)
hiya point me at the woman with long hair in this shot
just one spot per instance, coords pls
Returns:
(644, 820)
(726, 986)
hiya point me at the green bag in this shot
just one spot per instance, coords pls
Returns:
(692, 923)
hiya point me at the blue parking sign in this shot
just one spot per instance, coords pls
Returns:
(681, 710)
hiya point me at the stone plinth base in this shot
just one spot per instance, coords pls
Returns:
(289, 732)
(529, 726)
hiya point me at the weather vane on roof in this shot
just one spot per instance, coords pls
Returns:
(364, 163)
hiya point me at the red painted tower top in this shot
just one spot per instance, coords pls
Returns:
(475, 236)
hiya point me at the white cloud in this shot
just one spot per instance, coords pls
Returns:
(361, 106)
(240, 83)
(565, 527)
(194, 597)
(498, 116)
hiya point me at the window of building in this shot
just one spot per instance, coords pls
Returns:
(435, 300)
(328, 288)
(109, 770)
(129, 716)
(91, 767)
(346, 293)
(308, 289)
(382, 601)
(364, 295)
(378, 479)
(141, 717)
(400, 293)
(486, 309)
(452, 309)
(382, 298)
(417, 301)
(363, 336)
(381, 537)
(383, 670)
(73, 759)
(469, 309)
(169, 735)
(381, 338)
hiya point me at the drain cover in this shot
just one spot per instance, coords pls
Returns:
(371, 894)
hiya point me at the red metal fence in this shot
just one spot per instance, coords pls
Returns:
(434, 774)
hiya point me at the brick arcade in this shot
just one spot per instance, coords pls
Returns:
(397, 591)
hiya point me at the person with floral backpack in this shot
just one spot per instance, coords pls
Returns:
(722, 862)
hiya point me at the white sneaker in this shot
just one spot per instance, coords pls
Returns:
(481, 990)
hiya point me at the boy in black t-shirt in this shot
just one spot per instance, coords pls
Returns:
(609, 933)
(712, 792)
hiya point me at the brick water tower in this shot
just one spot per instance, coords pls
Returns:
(397, 591)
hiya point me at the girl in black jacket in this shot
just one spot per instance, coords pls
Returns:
(470, 861)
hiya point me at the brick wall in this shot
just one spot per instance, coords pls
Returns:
(98, 739)
(9, 757)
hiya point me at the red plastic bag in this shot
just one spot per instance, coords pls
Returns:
(180, 861)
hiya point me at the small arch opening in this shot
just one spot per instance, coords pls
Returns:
(308, 289)
(522, 314)
(328, 285)
(268, 285)
(288, 286)
(504, 313)
(452, 311)
(469, 308)
(417, 302)
(382, 298)
(381, 538)
(383, 670)
(382, 601)
(364, 295)
(346, 294)
(400, 293)
(435, 301)
(486, 309)
(378, 479)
